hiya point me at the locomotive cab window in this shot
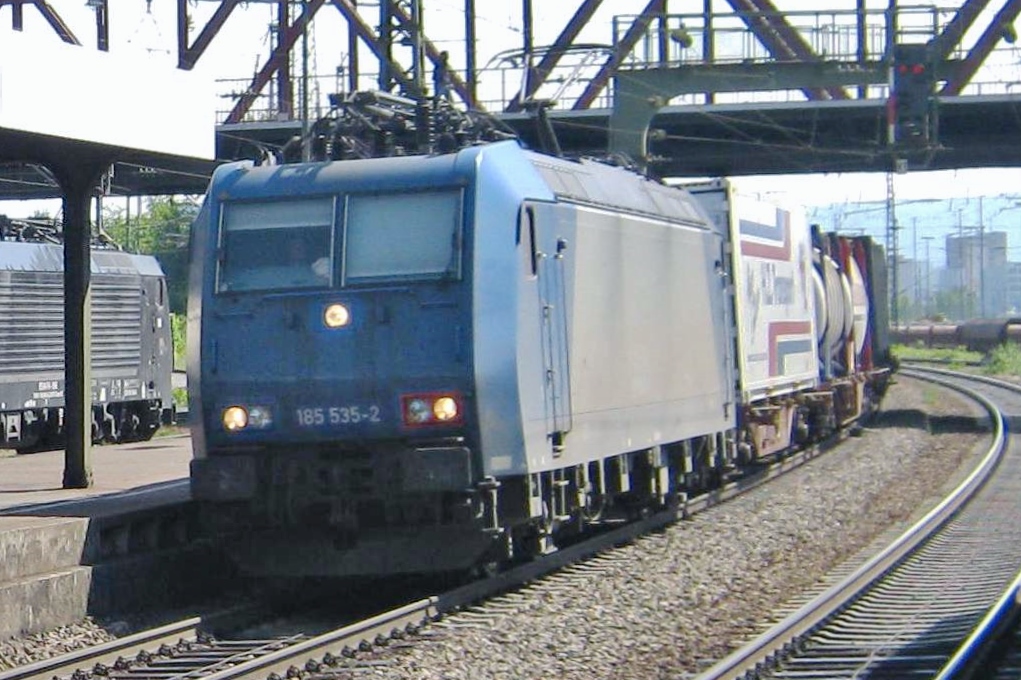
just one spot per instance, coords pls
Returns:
(403, 236)
(276, 246)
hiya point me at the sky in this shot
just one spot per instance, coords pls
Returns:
(145, 29)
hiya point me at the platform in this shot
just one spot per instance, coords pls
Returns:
(67, 553)
(36, 478)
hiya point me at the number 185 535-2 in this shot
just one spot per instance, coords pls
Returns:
(351, 414)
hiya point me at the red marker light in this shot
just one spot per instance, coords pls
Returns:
(913, 69)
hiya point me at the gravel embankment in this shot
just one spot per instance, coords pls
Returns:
(673, 602)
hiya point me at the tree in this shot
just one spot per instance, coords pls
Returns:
(161, 229)
(955, 303)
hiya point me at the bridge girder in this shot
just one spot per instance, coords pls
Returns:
(784, 41)
(640, 94)
(793, 63)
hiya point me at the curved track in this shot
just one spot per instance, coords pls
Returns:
(908, 611)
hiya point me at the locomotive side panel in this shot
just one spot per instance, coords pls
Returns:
(646, 347)
(509, 382)
(31, 349)
(129, 315)
(158, 345)
(600, 331)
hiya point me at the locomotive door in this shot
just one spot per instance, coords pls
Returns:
(549, 258)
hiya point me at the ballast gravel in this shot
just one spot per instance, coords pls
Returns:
(670, 604)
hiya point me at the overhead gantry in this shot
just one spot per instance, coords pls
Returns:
(789, 63)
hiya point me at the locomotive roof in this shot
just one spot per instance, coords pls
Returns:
(584, 181)
(595, 183)
(244, 181)
(48, 257)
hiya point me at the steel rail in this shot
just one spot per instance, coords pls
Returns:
(999, 621)
(1002, 616)
(775, 642)
(130, 647)
(108, 653)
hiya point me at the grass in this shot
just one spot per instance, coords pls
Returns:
(956, 357)
(171, 431)
(1004, 360)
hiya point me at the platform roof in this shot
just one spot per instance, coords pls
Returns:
(58, 100)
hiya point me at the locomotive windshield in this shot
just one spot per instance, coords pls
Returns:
(270, 246)
(399, 236)
(289, 244)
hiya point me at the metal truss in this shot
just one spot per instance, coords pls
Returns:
(387, 23)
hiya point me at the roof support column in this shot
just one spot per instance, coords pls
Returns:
(77, 183)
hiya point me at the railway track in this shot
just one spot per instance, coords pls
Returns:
(995, 651)
(908, 611)
(183, 650)
(119, 654)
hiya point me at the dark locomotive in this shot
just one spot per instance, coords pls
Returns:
(132, 354)
(434, 361)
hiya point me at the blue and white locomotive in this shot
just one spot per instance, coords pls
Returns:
(427, 363)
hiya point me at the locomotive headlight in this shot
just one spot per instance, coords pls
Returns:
(259, 417)
(235, 418)
(431, 408)
(336, 316)
(416, 411)
(445, 409)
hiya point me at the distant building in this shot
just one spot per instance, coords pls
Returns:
(911, 283)
(1013, 288)
(977, 269)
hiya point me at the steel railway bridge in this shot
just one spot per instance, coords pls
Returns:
(683, 87)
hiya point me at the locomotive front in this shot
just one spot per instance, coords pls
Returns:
(330, 360)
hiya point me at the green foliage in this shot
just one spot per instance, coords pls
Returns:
(1005, 359)
(159, 227)
(955, 303)
(908, 310)
(180, 397)
(175, 266)
(178, 332)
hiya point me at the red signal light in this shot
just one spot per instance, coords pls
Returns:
(913, 69)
